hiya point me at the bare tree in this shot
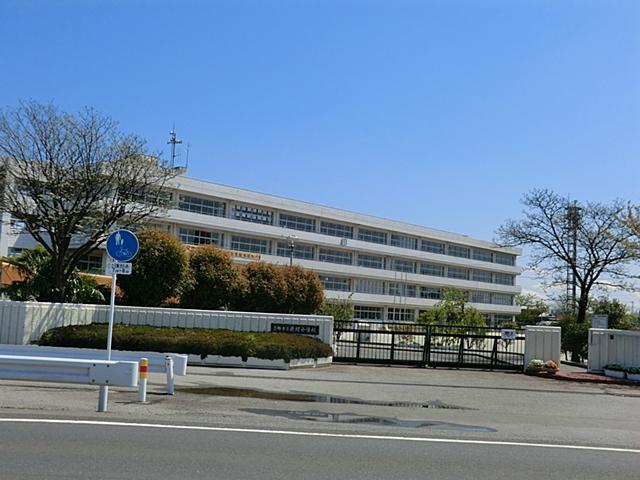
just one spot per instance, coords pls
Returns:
(72, 178)
(597, 254)
(632, 220)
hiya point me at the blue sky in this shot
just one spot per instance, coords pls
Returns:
(440, 113)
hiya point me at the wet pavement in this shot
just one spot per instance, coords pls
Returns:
(345, 399)
(353, 418)
(310, 397)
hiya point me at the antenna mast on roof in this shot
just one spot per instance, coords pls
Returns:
(173, 140)
(186, 163)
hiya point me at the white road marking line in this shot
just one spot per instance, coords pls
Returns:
(317, 434)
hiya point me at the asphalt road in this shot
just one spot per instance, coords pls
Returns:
(360, 422)
(57, 451)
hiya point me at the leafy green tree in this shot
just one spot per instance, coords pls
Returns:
(574, 337)
(305, 293)
(532, 308)
(35, 266)
(215, 282)
(619, 316)
(452, 310)
(159, 270)
(341, 310)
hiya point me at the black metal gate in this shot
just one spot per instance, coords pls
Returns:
(429, 345)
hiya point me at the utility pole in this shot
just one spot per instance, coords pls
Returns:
(573, 223)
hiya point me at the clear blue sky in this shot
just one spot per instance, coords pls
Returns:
(441, 113)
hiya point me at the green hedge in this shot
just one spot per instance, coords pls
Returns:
(196, 341)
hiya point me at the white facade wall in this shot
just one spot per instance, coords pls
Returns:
(22, 323)
(492, 294)
(542, 343)
(608, 346)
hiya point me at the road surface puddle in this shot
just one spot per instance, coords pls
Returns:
(312, 397)
(353, 418)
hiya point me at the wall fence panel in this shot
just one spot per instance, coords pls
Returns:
(22, 323)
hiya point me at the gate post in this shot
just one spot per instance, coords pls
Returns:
(494, 353)
(393, 345)
(461, 350)
(542, 343)
(426, 356)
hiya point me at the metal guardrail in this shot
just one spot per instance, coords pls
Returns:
(158, 362)
(65, 370)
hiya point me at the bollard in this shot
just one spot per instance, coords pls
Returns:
(143, 370)
(103, 396)
(168, 365)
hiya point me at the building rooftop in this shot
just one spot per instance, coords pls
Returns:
(204, 187)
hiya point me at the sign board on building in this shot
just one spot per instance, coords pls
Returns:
(120, 268)
(599, 321)
(291, 328)
(508, 334)
(250, 256)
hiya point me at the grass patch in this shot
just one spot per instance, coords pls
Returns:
(195, 341)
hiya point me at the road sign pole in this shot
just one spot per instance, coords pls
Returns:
(122, 246)
(103, 396)
(112, 311)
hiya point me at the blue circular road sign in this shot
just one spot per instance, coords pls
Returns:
(122, 245)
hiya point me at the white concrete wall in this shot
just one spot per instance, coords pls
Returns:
(542, 343)
(613, 346)
(24, 322)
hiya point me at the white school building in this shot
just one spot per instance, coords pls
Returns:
(390, 270)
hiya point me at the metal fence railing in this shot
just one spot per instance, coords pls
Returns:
(432, 345)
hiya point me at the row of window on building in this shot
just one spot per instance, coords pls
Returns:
(401, 314)
(296, 222)
(308, 252)
(400, 289)
(93, 263)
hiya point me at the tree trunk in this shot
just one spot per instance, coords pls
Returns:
(59, 281)
(583, 303)
(582, 307)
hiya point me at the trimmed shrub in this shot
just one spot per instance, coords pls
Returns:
(215, 282)
(195, 341)
(279, 289)
(271, 346)
(305, 293)
(159, 270)
(266, 289)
